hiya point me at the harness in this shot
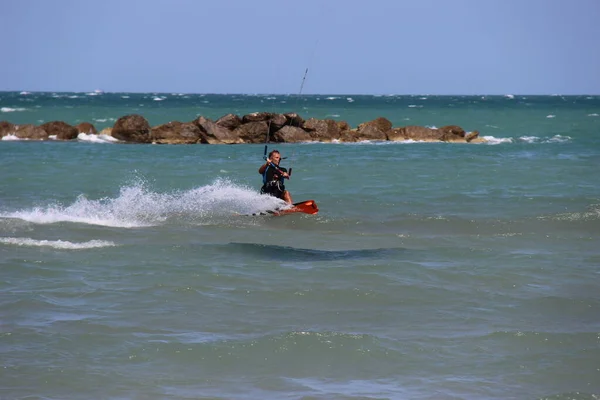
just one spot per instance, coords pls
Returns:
(274, 187)
(280, 180)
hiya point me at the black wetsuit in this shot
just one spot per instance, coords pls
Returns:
(273, 182)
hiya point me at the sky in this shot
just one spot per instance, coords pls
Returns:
(265, 46)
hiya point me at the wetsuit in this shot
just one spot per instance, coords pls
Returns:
(273, 182)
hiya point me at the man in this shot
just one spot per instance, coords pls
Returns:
(273, 176)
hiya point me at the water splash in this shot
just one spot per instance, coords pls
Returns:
(138, 206)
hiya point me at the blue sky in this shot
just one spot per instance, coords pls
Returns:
(264, 46)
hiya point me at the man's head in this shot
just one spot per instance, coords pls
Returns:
(275, 156)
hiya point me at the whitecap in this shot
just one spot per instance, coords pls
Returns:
(494, 140)
(592, 115)
(509, 96)
(9, 109)
(350, 99)
(331, 98)
(57, 244)
(529, 139)
(551, 116)
(558, 139)
(124, 97)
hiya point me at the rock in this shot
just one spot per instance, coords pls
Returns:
(292, 134)
(229, 121)
(176, 132)
(87, 128)
(374, 130)
(213, 133)
(6, 128)
(106, 131)
(350, 136)
(451, 133)
(256, 117)
(322, 130)
(396, 135)
(421, 133)
(30, 131)
(253, 132)
(293, 119)
(132, 128)
(343, 126)
(472, 136)
(61, 130)
(277, 122)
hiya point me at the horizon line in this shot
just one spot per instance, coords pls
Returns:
(100, 92)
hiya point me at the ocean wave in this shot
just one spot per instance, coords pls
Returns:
(57, 244)
(138, 206)
(10, 109)
(591, 214)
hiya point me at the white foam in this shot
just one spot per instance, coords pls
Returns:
(350, 99)
(11, 137)
(493, 140)
(509, 96)
(137, 206)
(331, 98)
(592, 115)
(9, 109)
(100, 138)
(558, 139)
(550, 116)
(57, 244)
(529, 139)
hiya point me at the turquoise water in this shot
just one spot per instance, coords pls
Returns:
(433, 270)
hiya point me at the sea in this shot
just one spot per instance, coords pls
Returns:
(432, 270)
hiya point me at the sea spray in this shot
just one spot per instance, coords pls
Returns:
(138, 206)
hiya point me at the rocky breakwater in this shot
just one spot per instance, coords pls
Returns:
(250, 128)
